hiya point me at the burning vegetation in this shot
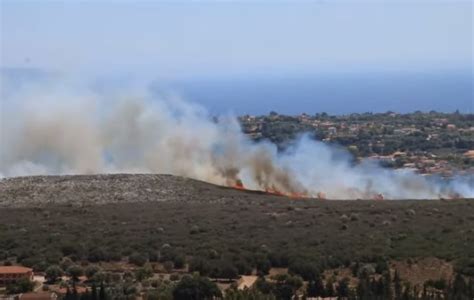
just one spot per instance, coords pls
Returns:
(60, 132)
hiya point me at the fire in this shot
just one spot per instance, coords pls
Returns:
(239, 185)
(294, 195)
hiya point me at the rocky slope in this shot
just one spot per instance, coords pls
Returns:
(112, 188)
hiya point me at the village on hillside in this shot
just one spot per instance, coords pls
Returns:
(429, 143)
(140, 280)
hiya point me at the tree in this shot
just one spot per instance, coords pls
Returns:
(179, 261)
(52, 273)
(316, 288)
(286, 286)
(68, 295)
(263, 264)
(195, 288)
(102, 292)
(397, 286)
(91, 270)
(226, 270)
(459, 285)
(330, 288)
(200, 265)
(21, 286)
(343, 287)
(144, 272)
(387, 280)
(308, 271)
(137, 259)
(94, 292)
(263, 285)
(234, 294)
(75, 271)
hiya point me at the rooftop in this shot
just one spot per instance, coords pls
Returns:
(14, 269)
(38, 296)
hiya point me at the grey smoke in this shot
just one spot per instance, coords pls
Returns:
(77, 131)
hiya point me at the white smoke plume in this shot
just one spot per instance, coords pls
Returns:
(66, 131)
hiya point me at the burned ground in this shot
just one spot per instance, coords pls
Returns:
(108, 217)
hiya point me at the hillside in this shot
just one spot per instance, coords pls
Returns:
(113, 188)
(161, 217)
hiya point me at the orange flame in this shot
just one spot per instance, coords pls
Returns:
(239, 185)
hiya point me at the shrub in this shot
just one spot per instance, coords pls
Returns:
(179, 261)
(195, 287)
(168, 266)
(21, 286)
(52, 273)
(200, 265)
(137, 259)
(309, 271)
(91, 270)
(75, 271)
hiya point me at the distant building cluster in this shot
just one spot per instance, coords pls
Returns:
(429, 143)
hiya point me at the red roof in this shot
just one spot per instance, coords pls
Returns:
(14, 270)
(37, 296)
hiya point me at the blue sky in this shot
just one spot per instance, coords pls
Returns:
(211, 38)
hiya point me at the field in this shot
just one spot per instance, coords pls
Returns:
(109, 217)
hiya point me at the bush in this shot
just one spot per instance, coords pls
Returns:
(196, 288)
(174, 277)
(66, 263)
(168, 266)
(23, 285)
(200, 265)
(52, 273)
(97, 254)
(263, 264)
(465, 266)
(69, 249)
(307, 270)
(75, 271)
(144, 272)
(137, 259)
(179, 261)
(91, 270)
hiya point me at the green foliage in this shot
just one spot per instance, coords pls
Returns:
(309, 271)
(75, 271)
(138, 259)
(144, 272)
(23, 285)
(52, 273)
(195, 288)
(91, 270)
(247, 294)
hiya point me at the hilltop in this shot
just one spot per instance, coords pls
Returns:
(110, 188)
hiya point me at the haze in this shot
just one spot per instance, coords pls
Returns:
(254, 56)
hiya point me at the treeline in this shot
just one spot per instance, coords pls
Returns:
(287, 287)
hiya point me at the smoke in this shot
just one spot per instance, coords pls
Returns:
(78, 131)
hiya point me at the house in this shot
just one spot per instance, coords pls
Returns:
(38, 296)
(11, 274)
(246, 282)
(332, 130)
(469, 154)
